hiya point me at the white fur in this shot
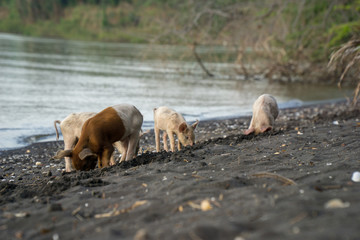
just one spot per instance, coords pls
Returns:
(172, 123)
(130, 116)
(265, 111)
(132, 120)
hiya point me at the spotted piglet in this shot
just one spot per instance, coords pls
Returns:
(172, 123)
(265, 111)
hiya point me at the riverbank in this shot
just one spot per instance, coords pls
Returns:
(283, 37)
(279, 185)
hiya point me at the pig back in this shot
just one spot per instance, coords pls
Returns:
(271, 103)
(104, 127)
(131, 118)
(167, 119)
(73, 123)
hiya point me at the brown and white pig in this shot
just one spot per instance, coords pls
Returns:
(265, 111)
(172, 123)
(117, 123)
(71, 130)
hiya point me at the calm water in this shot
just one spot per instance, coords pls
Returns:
(43, 80)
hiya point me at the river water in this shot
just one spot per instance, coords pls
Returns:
(43, 80)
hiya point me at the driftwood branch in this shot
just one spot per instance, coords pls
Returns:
(285, 180)
(198, 59)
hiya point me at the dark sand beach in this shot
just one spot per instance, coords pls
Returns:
(292, 183)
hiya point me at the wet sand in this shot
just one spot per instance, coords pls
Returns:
(278, 185)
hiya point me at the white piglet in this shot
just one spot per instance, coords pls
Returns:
(172, 123)
(265, 111)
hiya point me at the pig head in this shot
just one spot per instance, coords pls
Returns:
(117, 123)
(265, 111)
(172, 123)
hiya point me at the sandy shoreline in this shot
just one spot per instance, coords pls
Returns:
(228, 186)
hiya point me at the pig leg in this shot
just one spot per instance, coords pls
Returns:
(133, 141)
(112, 159)
(165, 141)
(100, 161)
(120, 149)
(157, 138)
(106, 156)
(124, 149)
(172, 141)
(68, 167)
(69, 144)
(179, 145)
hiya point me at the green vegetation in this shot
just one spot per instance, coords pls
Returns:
(347, 60)
(294, 30)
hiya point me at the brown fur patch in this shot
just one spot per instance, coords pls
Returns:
(98, 134)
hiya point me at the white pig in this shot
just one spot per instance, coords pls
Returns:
(265, 111)
(171, 122)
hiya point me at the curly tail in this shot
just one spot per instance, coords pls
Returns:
(57, 133)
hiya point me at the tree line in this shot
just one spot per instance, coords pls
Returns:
(286, 32)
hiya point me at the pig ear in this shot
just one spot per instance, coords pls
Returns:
(182, 127)
(250, 130)
(264, 129)
(86, 152)
(195, 124)
(62, 153)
